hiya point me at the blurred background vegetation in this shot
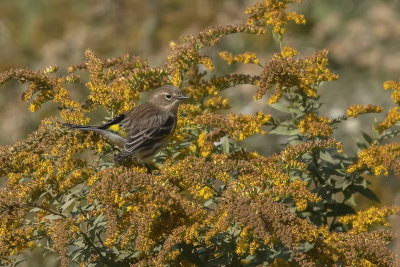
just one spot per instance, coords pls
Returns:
(362, 37)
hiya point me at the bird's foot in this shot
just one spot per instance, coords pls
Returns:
(151, 168)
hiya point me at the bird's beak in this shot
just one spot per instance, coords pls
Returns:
(183, 97)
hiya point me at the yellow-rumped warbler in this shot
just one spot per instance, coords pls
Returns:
(145, 129)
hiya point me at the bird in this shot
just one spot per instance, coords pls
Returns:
(143, 131)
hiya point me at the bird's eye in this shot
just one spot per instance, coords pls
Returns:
(168, 96)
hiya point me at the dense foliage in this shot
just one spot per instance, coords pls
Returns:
(211, 202)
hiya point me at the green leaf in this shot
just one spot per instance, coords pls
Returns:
(364, 183)
(280, 107)
(346, 184)
(288, 108)
(283, 130)
(225, 146)
(367, 137)
(52, 217)
(339, 209)
(67, 204)
(77, 253)
(99, 221)
(366, 192)
(361, 146)
(326, 156)
(35, 209)
(306, 246)
(352, 201)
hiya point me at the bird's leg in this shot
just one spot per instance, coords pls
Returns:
(150, 167)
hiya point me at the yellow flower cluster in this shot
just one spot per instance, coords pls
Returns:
(243, 126)
(288, 51)
(35, 167)
(200, 93)
(109, 86)
(50, 69)
(186, 113)
(204, 192)
(236, 126)
(395, 86)
(61, 231)
(75, 177)
(392, 117)
(208, 189)
(291, 153)
(208, 96)
(301, 199)
(378, 159)
(278, 185)
(179, 62)
(216, 102)
(355, 110)
(155, 209)
(204, 144)
(355, 249)
(15, 237)
(62, 97)
(247, 57)
(192, 175)
(39, 99)
(185, 53)
(285, 71)
(315, 126)
(72, 110)
(247, 242)
(206, 61)
(77, 116)
(43, 88)
(363, 221)
(271, 12)
(114, 94)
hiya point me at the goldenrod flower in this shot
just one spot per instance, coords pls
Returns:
(284, 71)
(364, 220)
(392, 117)
(355, 110)
(270, 12)
(315, 126)
(395, 86)
(378, 159)
(247, 57)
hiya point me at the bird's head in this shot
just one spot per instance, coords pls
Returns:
(167, 97)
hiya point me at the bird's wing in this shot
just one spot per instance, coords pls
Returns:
(148, 140)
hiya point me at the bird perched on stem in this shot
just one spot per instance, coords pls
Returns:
(145, 129)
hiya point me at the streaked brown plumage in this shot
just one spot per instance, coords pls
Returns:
(144, 130)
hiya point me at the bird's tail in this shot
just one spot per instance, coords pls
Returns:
(81, 127)
(112, 136)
